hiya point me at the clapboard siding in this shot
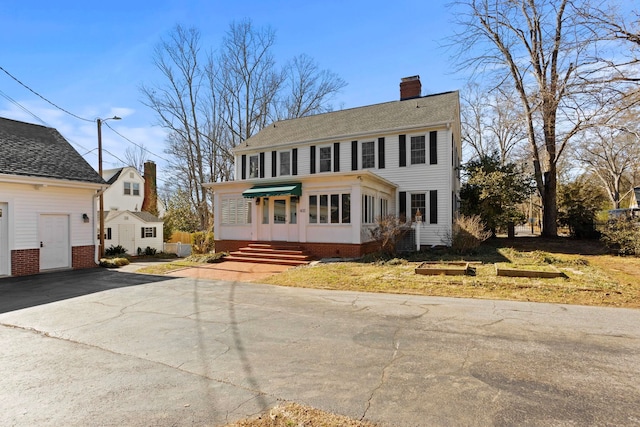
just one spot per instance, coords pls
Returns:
(409, 178)
(26, 203)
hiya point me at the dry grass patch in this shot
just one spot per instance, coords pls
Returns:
(168, 267)
(295, 415)
(587, 281)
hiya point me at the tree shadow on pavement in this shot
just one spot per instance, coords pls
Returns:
(29, 291)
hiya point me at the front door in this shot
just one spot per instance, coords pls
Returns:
(284, 221)
(279, 227)
(54, 242)
(4, 239)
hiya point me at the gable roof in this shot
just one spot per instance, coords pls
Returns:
(114, 177)
(382, 118)
(146, 216)
(38, 151)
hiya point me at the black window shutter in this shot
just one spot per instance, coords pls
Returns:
(244, 166)
(433, 147)
(354, 155)
(380, 153)
(336, 157)
(433, 207)
(274, 170)
(154, 232)
(142, 232)
(294, 161)
(262, 165)
(402, 205)
(403, 150)
(313, 159)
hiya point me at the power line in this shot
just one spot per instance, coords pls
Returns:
(23, 108)
(142, 147)
(42, 97)
(73, 115)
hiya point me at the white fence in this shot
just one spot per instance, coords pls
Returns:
(180, 249)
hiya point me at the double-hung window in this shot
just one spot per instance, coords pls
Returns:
(253, 166)
(325, 159)
(418, 202)
(285, 163)
(368, 155)
(127, 188)
(417, 150)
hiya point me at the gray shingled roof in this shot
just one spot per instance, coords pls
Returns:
(378, 118)
(146, 216)
(38, 151)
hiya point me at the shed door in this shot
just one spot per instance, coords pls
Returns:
(127, 237)
(4, 240)
(55, 251)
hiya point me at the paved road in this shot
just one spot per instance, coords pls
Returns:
(142, 350)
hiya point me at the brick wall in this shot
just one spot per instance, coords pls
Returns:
(25, 262)
(83, 257)
(317, 250)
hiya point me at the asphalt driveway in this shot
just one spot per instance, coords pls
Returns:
(127, 349)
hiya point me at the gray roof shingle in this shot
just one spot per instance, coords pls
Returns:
(146, 216)
(38, 151)
(378, 118)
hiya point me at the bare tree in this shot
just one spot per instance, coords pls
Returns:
(248, 80)
(136, 157)
(307, 89)
(551, 53)
(612, 154)
(177, 104)
(210, 104)
(492, 123)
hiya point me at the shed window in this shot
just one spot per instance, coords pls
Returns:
(148, 232)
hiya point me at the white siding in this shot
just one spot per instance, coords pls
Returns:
(419, 178)
(114, 197)
(126, 218)
(27, 202)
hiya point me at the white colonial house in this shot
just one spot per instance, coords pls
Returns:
(48, 198)
(321, 181)
(126, 223)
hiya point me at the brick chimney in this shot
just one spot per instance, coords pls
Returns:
(410, 87)
(150, 201)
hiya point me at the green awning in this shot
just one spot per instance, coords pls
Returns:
(294, 189)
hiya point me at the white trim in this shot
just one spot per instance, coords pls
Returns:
(45, 182)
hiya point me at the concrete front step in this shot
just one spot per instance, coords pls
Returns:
(270, 255)
(278, 261)
(282, 254)
(262, 250)
(278, 246)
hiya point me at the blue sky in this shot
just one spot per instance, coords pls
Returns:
(90, 58)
